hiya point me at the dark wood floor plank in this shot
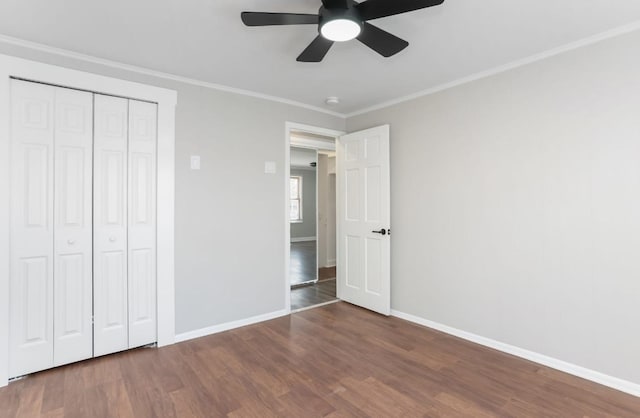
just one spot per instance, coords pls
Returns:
(334, 361)
(186, 404)
(53, 396)
(30, 402)
(75, 393)
(303, 260)
(314, 294)
(10, 400)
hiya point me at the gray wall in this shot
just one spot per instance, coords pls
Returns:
(229, 215)
(516, 206)
(306, 228)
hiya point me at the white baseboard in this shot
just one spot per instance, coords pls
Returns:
(328, 265)
(203, 332)
(303, 239)
(588, 374)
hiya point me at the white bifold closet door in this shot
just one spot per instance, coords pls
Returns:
(111, 329)
(83, 225)
(142, 223)
(31, 285)
(124, 224)
(73, 242)
(50, 303)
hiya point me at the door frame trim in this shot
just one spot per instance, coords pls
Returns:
(302, 143)
(12, 67)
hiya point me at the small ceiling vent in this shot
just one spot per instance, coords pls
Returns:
(332, 101)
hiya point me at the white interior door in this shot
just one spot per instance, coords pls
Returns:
(142, 223)
(364, 276)
(31, 281)
(73, 293)
(111, 332)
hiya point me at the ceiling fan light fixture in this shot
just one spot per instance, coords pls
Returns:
(340, 30)
(344, 20)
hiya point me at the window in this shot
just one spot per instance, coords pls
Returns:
(295, 190)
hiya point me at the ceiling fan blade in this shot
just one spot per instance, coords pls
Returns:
(375, 9)
(269, 19)
(316, 51)
(381, 41)
(335, 4)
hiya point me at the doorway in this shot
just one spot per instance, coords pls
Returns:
(311, 217)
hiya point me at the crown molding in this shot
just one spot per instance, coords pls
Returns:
(158, 74)
(622, 30)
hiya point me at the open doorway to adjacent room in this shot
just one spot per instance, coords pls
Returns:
(312, 219)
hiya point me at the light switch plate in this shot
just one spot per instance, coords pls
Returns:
(270, 167)
(195, 162)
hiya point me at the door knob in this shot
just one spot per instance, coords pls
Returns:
(71, 241)
(381, 232)
(112, 239)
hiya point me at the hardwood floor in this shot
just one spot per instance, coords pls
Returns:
(334, 361)
(315, 294)
(303, 262)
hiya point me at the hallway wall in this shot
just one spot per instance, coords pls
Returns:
(306, 228)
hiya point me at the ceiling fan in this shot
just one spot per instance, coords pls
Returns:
(344, 20)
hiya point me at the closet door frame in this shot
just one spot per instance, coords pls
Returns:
(12, 67)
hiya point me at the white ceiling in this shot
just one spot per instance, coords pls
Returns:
(205, 40)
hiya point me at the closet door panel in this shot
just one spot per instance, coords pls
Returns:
(31, 258)
(73, 293)
(111, 328)
(142, 223)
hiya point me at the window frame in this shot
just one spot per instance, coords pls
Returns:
(300, 218)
